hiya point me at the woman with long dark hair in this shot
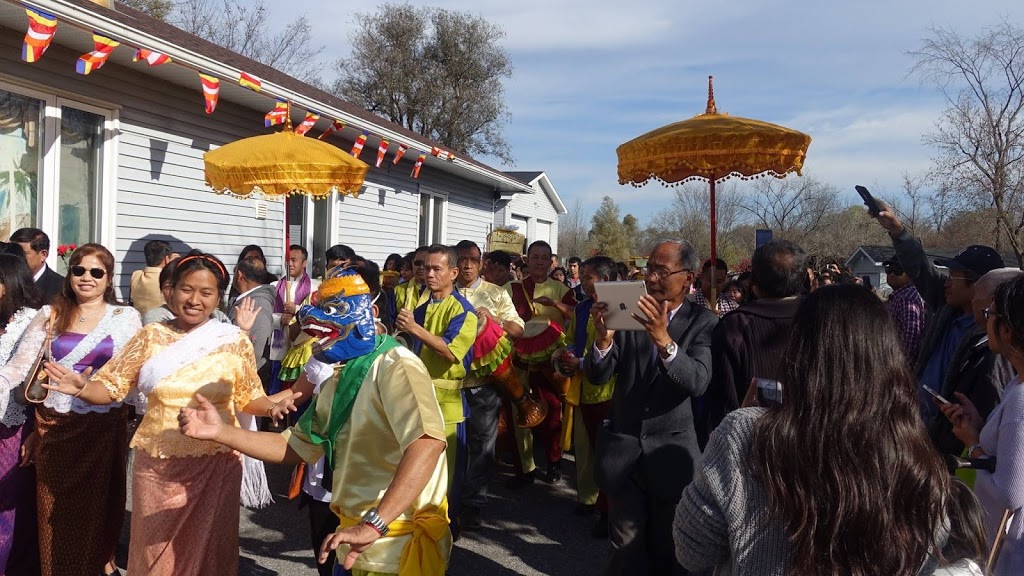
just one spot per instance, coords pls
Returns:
(19, 303)
(840, 478)
(82, 451)
(185, 492)
(1002, 435)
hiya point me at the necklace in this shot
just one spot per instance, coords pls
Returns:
(82, 318)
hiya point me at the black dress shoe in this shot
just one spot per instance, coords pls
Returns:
(585, 509)
(469, 520)
(600, 530)
(520, 481)
(553, 475)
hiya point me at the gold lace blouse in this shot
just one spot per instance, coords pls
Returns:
(226, 377)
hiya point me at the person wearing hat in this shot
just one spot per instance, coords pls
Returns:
(906, 307)
(954, 355)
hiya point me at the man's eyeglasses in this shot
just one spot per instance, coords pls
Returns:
(80, 271)
(662, 273)
(989, 312)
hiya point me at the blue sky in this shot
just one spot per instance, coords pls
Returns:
(592, 75)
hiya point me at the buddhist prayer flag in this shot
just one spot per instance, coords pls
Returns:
(249, 81)
(435, 151)
(307, 123)
(97, 58)
(419, 164)
(357, 148)
(153, 58)
(211, 91)
(381, 151)
(41, 28)
(278, 115)
(401, 152)
(336, 126)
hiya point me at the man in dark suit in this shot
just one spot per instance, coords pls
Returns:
(647, 451)
(36, 244)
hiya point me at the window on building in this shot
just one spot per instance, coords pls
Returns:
(81, 170)
(21, 157)
(53, 158)
(432, 218)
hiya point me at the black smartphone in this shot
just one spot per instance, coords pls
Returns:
(873, 208)
(769, 392)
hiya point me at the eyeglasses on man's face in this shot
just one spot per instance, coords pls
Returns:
(663, 273)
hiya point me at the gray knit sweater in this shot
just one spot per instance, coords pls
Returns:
(722, 519)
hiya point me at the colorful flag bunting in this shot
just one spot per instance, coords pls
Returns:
(153, 58)
(401, 152)
(307, 123)
(435, 151)
(97, 58)
(211, 91)
(249, 81)
(336, 126)
(451, 157)
(419, 164)
(381, 151)
(278, 115)
(357, 148)
(41, 28)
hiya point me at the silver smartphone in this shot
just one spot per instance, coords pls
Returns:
(936, 395)
(769, 392)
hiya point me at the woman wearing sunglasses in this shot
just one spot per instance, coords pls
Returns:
(185, 492)
(82, 449)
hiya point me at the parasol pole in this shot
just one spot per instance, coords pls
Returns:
(287, 272)
(714, 252)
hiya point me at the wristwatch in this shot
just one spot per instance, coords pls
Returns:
(372, 517)
(669, 349)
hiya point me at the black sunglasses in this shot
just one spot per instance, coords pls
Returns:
(96, 273)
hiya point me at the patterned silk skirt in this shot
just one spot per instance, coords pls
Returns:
(185, 515)
(81, 479)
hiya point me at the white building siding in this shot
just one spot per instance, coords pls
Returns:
(163, 132)
(536, 207)
(384, 219)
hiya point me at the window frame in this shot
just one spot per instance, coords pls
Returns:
(48, 193)
(436, 198)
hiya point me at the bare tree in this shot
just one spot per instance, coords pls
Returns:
(688, 218)
(911, 203)
(248, 30)
(160, 9)
(980, 135)
(573, 231)
(793, 208)
(437, 72)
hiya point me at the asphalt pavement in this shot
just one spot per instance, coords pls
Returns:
(530, 531)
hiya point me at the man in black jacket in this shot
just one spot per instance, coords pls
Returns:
(751, 341)
(36, 244)
(647, 451)
(954, 354)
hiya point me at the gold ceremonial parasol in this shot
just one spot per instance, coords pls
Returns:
(712, 147)
(281, 164)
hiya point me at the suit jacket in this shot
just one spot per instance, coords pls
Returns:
(651, 435)
(50, 284)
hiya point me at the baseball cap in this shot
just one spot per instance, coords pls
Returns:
(976, 259)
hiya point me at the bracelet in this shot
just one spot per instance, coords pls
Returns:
(82, 389)
(270, 411)
(375, 529)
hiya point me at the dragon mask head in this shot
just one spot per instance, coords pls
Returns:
(341, 317)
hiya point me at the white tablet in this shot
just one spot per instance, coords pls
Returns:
(621, 298)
